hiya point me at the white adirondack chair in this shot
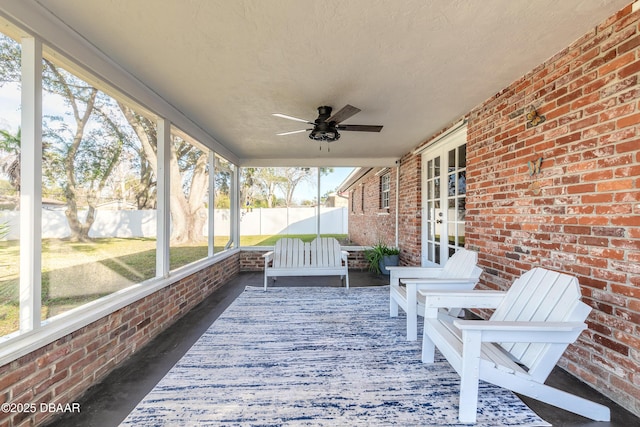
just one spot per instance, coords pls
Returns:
(292, 257)
(459, 273)
(532, 325)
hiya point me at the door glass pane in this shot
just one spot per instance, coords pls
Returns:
(462, 156)
(446, 210)
(462, 182)
(432, 216)
(451, 158)
(457, 189)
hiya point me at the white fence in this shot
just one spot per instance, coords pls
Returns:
(142, 223)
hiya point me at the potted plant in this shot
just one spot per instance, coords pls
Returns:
(380, 256)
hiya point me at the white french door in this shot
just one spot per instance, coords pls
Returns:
(444, 187)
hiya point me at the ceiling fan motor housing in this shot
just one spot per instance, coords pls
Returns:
(324, 131)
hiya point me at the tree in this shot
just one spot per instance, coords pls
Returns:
(86, 156)
(262, 183)
(188, 174)
(10, 163)
(292, 177)
(268, 180)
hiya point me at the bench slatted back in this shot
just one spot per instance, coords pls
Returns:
(325, 252)
(289, 253)
(461, 264)
(541, 295)
(294, 253)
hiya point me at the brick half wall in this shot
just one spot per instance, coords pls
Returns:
(62, 371)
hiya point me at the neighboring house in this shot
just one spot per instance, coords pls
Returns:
(336, 200)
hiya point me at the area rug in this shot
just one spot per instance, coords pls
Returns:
(315, 357)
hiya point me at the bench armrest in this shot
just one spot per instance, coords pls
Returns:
(267, 256)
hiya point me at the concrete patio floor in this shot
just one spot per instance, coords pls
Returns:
(109, 402)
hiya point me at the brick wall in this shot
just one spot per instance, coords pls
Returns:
(369, 223)
(252, 260)
(63, 370)
(410, 210)
(581, 213)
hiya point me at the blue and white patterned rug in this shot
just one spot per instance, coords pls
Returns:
(315, 357)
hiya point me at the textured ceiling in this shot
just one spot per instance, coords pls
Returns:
(413, 66)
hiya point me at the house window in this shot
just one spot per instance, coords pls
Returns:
(385, 187)
(362, 198)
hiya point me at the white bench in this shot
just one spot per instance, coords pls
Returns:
(459, 273)
(532, 325)
(293, 257)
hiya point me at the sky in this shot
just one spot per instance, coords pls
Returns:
(309, 191)
(9, 107)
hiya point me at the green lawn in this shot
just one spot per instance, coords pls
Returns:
(76, 273)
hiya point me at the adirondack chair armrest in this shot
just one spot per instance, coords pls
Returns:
(462, 299)
(345, 255)
(268, 256)
(426, 281)
(400, 272)
(528, 332)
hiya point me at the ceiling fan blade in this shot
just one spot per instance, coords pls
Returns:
(292, 132)
(284, 116)
(346, 112)
(360, 128)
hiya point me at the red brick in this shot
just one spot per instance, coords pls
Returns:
(630, 69)
(597, 198)
(586, 100)
(616, 185)
(628, 121)
(619, 111)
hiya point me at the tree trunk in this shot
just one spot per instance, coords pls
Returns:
(186, 219)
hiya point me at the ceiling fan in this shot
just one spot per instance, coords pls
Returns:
(326, 126)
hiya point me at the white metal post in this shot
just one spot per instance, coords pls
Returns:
(212, 201)
(31, 186)
(235, 207)
(163, 227)
(318, 214)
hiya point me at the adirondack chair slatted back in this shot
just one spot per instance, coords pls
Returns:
(461, 264)
(541, 295)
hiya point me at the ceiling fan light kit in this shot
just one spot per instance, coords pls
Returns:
(326, 126)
